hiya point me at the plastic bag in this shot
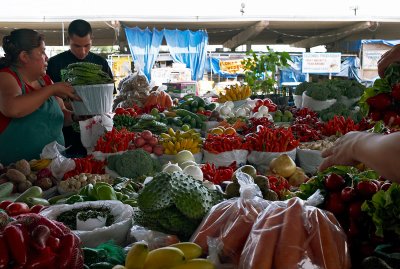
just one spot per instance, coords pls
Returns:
(91, 129)
(96, 99)
(316, 105)
(291, 235)
(226, 158)
(261, 160)
(309, 160)
(117, 231)
(154, 239)
(298, 100)
(59, 164)
(230, 221)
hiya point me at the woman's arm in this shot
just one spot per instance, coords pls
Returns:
(68, 114)
(14, 104)
(378, 152)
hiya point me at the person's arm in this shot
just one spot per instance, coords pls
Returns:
(389, 57)
(68, 114)
(14, 104)
(378, 152)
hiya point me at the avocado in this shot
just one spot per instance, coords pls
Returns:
(232, 190)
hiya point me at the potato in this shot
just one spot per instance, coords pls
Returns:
(31, 177)
(23, 186)
(23, 166)
(45, 183)
(15, 176)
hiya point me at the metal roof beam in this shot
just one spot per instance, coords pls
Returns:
(245, 35)
(332, 36)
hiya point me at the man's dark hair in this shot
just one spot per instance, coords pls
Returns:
(80, 28)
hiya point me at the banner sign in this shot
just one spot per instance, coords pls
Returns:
(321, 62)
(370, 59)
(231, 66)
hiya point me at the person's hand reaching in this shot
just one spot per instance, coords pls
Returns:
(389, 57)
(64, 90)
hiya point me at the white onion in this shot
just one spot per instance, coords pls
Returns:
(229, 104)
(263, 109)
(194, 171)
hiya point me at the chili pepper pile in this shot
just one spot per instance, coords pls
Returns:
(266, 102)
(278, 184)
(86, 165)
(221, 143)
(305, 133)
(339, 126)
(218, 175)
(303, 112)
(254, 122)
(115, 141)
(33, 241)
(272, 140)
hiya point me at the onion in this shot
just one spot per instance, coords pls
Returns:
(283, 165)
(225, 110)
(146, 134)
(263, 109)
(229, 104)
(194, 171)
(184, 156)
(170, 168)
(158, 150)
(241, 112)
(139, 142)
(258, 115)
(148, 148)
(153, 141)
(187, 163)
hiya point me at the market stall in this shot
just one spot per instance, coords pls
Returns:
(192, 182)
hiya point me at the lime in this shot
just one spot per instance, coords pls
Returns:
(185, 127)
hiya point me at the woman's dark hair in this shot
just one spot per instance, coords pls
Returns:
(18, 41)
(80, 28)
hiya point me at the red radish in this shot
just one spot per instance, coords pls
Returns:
(334, 182)
(348, 194)
(139, 142)
(148, 148)
(146, 134)
(380, 101)
(385, 186)
(396, 91)
(355, 212)
(366, 188)
(334, 203)
(153, 141)
(158, 150)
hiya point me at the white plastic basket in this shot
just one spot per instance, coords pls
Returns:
(96, 99)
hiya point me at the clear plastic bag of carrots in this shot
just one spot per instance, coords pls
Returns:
(231, 221)
(292, 235)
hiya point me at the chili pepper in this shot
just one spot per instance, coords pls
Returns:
(4, 255)
(16, 242)
(66, 248)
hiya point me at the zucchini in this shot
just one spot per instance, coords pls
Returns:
(33, 191)
(183, 113)
(31, 201)
(6, 189)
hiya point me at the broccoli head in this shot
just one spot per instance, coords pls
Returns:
(302, 87)
(318, 91)
(134, 164)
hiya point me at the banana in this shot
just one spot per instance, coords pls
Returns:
(189, 143)
(137, 256)
(196, 264)
(171, 132)
(178, 146)
(165, 136)
(37, 165)
(191, 250)
(165, 257)
(171, 146)
(183, 143)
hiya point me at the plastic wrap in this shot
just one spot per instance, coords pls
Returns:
(154, 239)
(316, 105)
(291, 235)
(226, 158)
(230, 221)
(261, 160)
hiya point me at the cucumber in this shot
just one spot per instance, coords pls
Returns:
(54, 199)
(6, 189)
(33, 191)
(31, 201)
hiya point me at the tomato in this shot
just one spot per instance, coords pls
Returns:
(17, 208)
(119, 111)
(37, 208)
(4, 204)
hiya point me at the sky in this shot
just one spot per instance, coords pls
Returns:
(40, 10)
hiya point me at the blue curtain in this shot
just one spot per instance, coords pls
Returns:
(144, 46)
(189, 48)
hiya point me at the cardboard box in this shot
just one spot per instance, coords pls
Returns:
(180, 89)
